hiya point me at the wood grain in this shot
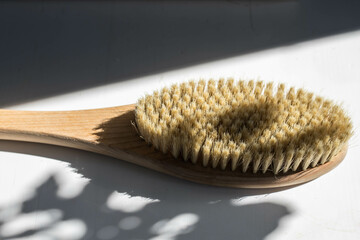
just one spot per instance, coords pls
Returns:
(109, 131)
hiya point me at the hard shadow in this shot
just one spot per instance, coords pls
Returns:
(217, 216)
(55, 47)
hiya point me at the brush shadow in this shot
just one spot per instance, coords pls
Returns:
(204, 208)
(56, 47)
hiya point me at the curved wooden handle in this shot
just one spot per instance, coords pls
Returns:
(75, 129)
(109, 132)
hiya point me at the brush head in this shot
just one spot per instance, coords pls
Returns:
(243, 125)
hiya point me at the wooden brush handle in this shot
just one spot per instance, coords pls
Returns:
(109, 131)
(75, 129)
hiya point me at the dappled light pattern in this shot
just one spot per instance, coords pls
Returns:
(170, 208)
(56, 218)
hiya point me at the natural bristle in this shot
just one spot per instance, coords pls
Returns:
(246, 126)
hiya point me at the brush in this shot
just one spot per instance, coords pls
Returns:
(243, 134)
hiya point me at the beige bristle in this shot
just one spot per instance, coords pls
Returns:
(245, 126)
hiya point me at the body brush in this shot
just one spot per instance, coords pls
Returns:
(225, 133)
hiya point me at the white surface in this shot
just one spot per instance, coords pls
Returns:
(50, 192)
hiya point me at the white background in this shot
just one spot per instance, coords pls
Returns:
(49, 192)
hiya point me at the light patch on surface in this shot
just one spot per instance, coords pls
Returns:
(280, 64)
(248, 200)
(72, 229)
(107, 232)
(71, 183)
(9, 212)
(129, 223)
(18, 172)
(169, 229)
(30, 221)
(24, 182)
(126, 203)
